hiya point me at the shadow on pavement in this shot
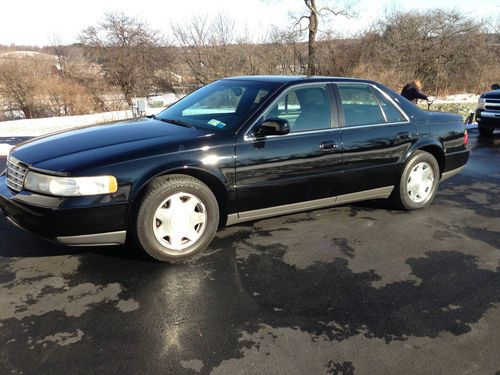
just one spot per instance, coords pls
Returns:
(452, 294)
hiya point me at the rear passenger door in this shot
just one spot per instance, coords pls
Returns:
(376, 135)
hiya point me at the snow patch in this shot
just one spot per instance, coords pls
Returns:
(41, 126)
(127, 305)
(62, 338)
(457, 98)
(4, 149)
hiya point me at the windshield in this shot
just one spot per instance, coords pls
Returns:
(224, 105)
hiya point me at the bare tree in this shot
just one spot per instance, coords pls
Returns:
(338, 56)
(63, 97)
(208, 47)
(315, 13)
(28, 84)
(285, 53)
(129, 51)
(19, 83)
(60, 51)
(440, 47)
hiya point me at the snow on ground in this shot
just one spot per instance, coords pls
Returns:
(458, 98)
(4, 149)
(40, 126)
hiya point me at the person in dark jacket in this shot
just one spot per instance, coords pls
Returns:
(413, 91)
(495, 86)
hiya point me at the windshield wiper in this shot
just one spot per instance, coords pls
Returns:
(174, 121)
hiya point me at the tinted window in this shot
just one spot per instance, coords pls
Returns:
(224, 100)
(225, 104)
(391, 112)
(360, 106)
(261, 95)
(305, 108)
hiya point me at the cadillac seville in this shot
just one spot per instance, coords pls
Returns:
(238, 149)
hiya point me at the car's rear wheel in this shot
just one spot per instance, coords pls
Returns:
(418, 184)
(177, 218)
(485, 130)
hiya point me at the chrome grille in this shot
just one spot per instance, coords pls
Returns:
(492, 104)
(15, 174)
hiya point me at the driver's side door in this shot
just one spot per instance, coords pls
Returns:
(302, 166)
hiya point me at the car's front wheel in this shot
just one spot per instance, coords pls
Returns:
(419, 182)
(177, 218)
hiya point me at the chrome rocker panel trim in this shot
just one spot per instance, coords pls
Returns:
(453, 172)
(97, 239)
(383, 192)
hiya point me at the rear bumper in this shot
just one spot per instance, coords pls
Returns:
(455, 162)
(72, 221)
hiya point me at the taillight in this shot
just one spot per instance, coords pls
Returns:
(466, 137)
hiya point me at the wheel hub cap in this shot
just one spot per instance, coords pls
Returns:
(420, 182)
(179, 221)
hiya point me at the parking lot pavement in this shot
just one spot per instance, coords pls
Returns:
(355, 289)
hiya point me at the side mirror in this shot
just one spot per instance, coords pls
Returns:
(274, 126)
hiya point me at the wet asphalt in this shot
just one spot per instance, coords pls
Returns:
(354, 289)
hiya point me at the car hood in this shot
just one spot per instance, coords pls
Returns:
(495, 94)
(111, 139)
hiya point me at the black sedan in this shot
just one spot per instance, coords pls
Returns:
(238, 149)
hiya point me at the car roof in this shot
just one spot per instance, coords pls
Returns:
(295, 79)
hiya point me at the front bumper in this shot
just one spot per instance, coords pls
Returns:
(488, 117)
(79, 221)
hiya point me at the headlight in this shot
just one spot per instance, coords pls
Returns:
(70, 186)
(481, 103)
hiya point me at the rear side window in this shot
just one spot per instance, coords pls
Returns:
(391, 112)
(360, 105)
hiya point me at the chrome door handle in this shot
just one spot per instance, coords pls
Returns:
(327, 146)
(404, 135)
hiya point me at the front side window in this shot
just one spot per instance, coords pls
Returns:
(360, 105)
(306, 108)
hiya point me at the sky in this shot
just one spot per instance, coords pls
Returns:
(32, 22)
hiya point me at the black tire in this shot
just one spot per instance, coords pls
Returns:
(157, 192)
(485, 131)
(400, 197)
